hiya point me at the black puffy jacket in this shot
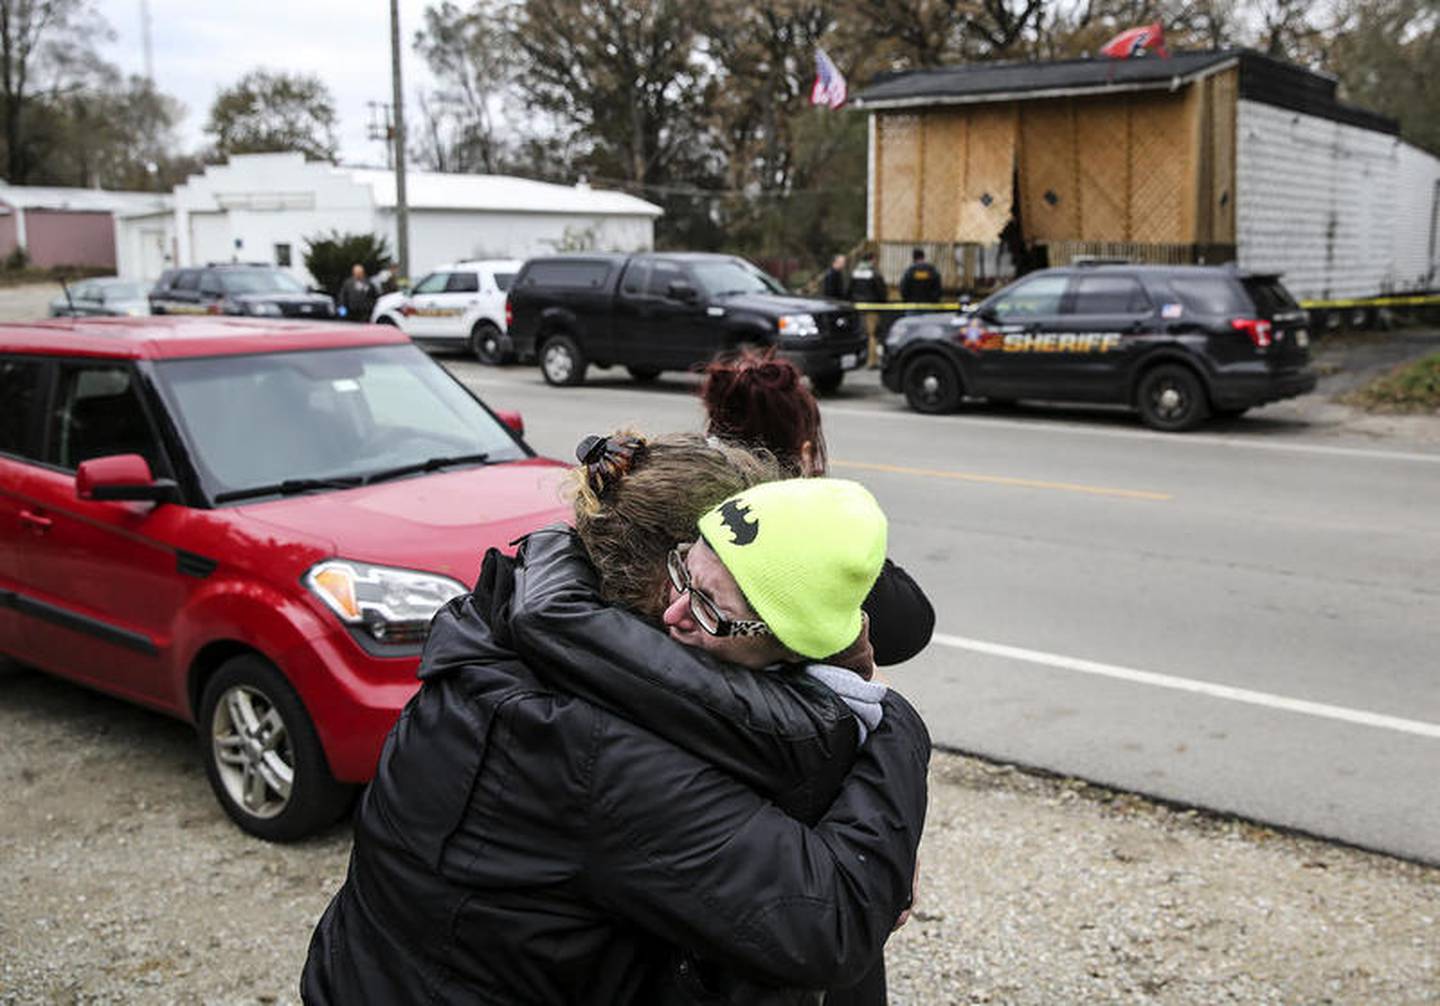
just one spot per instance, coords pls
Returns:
(522, 845)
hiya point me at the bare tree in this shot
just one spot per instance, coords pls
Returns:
(468, 50)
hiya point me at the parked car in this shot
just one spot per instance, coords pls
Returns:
(258, 290)
(459, 305)
(107, 296)
(248, 524)
(1178, 343)
(656, 312)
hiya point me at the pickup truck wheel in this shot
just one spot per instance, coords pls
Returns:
(561, 361)
(931, 384)
(828, 384)
(644, 374)
(488, 344)
(1171, 398)
(262, 756)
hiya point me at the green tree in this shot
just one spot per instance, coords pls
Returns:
(469, 53)
(265, 111)
(330, 257)
(44, 46)
(1386, 53)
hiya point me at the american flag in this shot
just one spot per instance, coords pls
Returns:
(829, 87)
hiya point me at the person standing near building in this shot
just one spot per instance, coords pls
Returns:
(835, 284)
(867, 286)
(921, 282)
(357, 295)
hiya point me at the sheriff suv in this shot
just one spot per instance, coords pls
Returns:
(257, 290)
(671, 311)
(1178, 343)
(248, 525)
(459, 305)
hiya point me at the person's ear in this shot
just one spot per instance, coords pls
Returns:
(809, 464)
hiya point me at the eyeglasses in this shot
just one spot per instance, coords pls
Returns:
(706, 612)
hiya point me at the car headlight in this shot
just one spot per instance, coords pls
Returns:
(391, 605)
(269, 310)
(798, 325)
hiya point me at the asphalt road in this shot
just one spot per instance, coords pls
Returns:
(1245, 619)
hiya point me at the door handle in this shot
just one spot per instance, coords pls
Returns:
(34, 521)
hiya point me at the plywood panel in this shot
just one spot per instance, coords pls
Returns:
(1049, 186)
(1103, 134)
(945, 134)
(988, 179)
(1161, 159)
(897, 177)
(1224, 95)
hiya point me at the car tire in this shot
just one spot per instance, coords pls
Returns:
(1171, 398)
(487, 342)
(932, 384)
(561, 362)
(644, 374)
(827, 384)
(253, 731)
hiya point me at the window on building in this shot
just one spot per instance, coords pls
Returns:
(1110, 295)
(282, 255)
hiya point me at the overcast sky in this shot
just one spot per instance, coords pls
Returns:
(203, 46)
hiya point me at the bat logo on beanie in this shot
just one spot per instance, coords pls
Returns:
(732, 514)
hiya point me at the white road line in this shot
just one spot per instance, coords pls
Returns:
(1266, 699)
(1169, 439)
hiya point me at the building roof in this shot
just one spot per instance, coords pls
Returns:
(45, 197)
(431, 190)
(1262, 79)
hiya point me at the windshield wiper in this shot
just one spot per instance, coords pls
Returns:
(289, 487)
(428, 465)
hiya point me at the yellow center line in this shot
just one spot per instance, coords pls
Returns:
(1004, 480)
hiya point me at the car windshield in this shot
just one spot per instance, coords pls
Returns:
(720, 277)
(256, 421)
(260, 281)
(122, 290)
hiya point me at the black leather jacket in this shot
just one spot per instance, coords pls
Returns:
(521, 844)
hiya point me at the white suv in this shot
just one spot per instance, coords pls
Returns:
(463, 304)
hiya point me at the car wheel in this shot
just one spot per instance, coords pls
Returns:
(488, 344)
(1171, 398)
(262, 756)
(561, 361)
(827, 384)
(931, 384)
(644, 374)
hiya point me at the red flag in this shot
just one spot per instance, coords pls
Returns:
(1135, 41)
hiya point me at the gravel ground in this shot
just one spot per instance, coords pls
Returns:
(123, 882)
(27, 301)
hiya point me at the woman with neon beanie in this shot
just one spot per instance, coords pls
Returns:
(759, 400)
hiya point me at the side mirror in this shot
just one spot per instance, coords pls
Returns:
(122, 477)
(682, 291)
(988, 314)
(513, 421)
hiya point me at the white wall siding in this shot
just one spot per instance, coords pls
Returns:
(440, 236)
(1318, 201)
(1417, 236)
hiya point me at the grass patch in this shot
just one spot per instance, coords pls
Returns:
(69, 273)
(1410, 387)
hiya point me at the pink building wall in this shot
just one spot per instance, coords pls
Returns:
(7, 234)
(70, 237)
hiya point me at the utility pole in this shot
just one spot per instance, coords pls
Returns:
(402, 206)
(145, 39)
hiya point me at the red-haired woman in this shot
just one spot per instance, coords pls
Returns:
(758, 399)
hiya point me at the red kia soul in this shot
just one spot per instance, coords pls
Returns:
(248, 524)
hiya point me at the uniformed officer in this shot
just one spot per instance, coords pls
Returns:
(834, 284)
(867, 286)
(921, 282)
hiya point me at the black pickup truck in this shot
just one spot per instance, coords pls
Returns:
(670, 311)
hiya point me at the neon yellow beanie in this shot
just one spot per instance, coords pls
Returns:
(805, 553)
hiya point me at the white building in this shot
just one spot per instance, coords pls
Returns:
(264, 207)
